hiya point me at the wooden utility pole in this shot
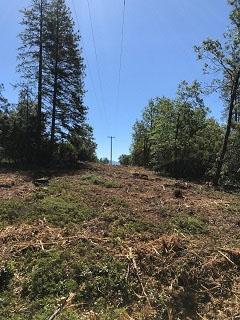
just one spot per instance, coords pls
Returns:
(111, 137)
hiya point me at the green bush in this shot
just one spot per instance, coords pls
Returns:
(61, 211)
(50, 276)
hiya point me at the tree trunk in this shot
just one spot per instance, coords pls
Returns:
(55, 85)
(175, 147)
(54, 104)
(40, 66)
(228, 131)
(145, 152)
(27, 128)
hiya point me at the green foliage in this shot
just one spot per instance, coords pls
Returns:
(231, 169)
(51, 92)
(119, 202)
(66, 152)
(6, 274)
(180, 139)
(49, 276)
(103, 281)
(141, 146)
(94, 179)
(53, 274)
(190, 224)
(12, 210)
(81, 138)
(62, 211)
(69, 315)
(221, 58)
(176, 136)
(65, 76)
(3, 101)
(104, 160)
(59, 211)
(19, 134)
(125, 160)
(128, 226)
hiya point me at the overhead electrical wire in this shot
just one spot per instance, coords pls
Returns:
(83, 47)
(97, 60)
(88, 64)
(121, 53)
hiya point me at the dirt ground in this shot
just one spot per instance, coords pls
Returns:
(189, 261)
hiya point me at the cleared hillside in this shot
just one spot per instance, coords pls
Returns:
(117, 243)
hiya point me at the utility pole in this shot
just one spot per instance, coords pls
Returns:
(111, 137)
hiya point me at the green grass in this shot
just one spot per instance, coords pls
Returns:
(130, 227)
(43, 277)
(189, 224)
(98, 180)
(98, 270)
(46, 276)
(61, 211)
(58, 211)
(119, 202)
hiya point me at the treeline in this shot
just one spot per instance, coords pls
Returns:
(48, 123)
(177, 136)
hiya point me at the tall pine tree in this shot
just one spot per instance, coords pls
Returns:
(66, 73)
(51, 65)
(31, 54)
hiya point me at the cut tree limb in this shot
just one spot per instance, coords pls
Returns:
(132, 259)
(62, 305)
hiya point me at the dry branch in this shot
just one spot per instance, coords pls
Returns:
(226, 257)
(132, 259)
(62, 305)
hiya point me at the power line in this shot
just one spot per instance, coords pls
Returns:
(121, 52)
(84, 52)
(87, 62)
(96, 56)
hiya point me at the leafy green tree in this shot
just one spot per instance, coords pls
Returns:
(104, 160)
(163, 135)
(231, 167)
(25, 121)
(18, 136)
(178, 135)
(4, 122)
(141, 146)
(190, 118)
(224, 60)
(83, 141)
(178, 139)
(125, 160)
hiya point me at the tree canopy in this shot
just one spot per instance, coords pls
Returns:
(49, 121)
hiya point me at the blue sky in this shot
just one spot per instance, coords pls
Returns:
(157, 54)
